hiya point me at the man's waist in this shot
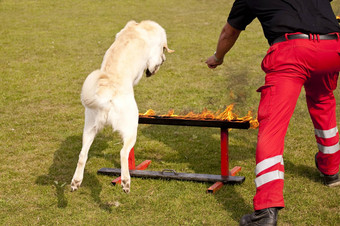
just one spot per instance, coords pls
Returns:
(287, 37)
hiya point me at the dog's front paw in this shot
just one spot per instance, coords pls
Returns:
(126, 185)
(75, 184)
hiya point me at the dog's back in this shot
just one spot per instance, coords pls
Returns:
(123, 62)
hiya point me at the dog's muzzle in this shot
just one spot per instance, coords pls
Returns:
(148, 73)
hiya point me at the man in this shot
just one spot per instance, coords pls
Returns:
(304, 51)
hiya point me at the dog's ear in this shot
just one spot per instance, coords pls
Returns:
(169, 50)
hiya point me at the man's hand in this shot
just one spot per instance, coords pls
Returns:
(227, 39)
(212, 62)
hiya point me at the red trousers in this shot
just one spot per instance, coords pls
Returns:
(289, 65)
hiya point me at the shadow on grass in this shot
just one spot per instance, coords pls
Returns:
(200, 148)
(233, 201)
(309, 172)
(64, 164)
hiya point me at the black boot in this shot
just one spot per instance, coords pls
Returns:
(265, 217)
(329, 180)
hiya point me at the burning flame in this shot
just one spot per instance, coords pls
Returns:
(227, 114)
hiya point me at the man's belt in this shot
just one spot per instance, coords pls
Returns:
(305, 36)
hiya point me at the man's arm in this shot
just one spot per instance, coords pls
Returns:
(226, 41)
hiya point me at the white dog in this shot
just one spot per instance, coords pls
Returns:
(107, 94)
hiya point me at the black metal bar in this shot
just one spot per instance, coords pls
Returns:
(163, 120)
(177, 176)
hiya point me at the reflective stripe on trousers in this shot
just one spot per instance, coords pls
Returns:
(269, 176)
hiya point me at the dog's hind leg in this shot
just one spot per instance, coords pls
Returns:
(125, 120)
(91, 128)
(129, 142)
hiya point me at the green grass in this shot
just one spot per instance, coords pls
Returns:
(47, 50)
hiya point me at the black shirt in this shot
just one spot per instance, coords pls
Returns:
(278, 17)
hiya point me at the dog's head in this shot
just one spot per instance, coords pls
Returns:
(156, 61)
(157, 43)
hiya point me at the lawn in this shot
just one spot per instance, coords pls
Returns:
(47, 50)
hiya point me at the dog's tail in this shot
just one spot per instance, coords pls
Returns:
(97, 91)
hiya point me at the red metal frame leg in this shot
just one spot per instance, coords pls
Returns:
(132, 165)
(235, 170)
(215, 187)
(145, 164)
(224, 152)
(224, 160)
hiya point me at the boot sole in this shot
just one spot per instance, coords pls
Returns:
(334, 184)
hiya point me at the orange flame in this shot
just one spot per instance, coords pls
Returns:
(227, 114)
(149, 112)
